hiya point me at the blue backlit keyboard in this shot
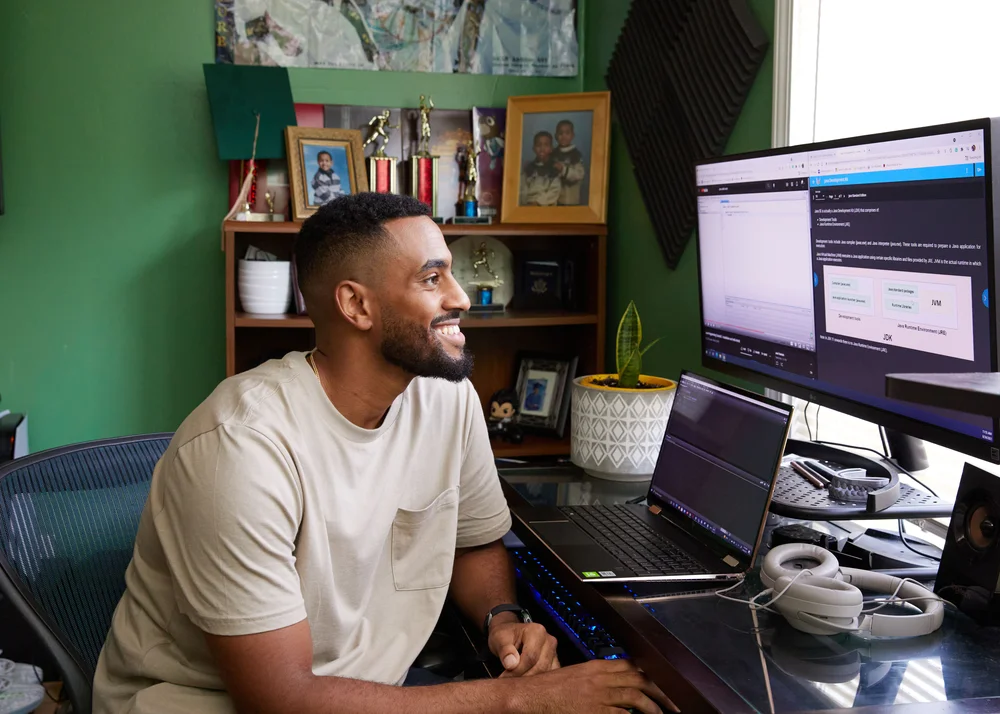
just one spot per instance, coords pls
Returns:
(577, 624)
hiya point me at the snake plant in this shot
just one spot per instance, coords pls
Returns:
(629, 349)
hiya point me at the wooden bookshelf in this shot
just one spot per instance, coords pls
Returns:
(496, 340)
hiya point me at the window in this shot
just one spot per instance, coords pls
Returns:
(852, 67)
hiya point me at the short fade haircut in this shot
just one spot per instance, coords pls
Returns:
(542, 135)
(565, 122)
(346, 230)
(327, 154)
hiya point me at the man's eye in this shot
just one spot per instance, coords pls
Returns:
(433, 279)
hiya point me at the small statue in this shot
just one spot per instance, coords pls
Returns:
(503, 408)
(471, 171)
(481, 258)
(379, 123)
(426, 105)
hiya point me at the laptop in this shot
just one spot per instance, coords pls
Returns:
(707, 501)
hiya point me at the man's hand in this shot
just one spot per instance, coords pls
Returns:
(523, 648)
(594, 687)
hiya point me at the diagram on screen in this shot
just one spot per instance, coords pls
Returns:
(919, 311)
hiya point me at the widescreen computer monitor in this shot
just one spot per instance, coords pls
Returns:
(824, 267)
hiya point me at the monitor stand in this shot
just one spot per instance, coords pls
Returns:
(906, 450)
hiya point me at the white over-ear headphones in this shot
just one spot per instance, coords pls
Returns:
(821, 598)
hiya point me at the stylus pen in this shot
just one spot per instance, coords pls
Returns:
(801, 471)
(815, 472)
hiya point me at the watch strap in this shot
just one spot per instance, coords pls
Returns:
(521, 613)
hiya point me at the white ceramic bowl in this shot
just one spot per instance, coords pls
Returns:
(265, 287)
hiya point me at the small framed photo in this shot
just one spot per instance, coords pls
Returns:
(556, 168)
(543, 393)
(322, 165)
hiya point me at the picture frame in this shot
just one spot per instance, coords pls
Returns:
(543, 392)
(557, 156)
(344, 158)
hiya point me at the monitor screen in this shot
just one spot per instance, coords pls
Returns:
(721, 451)
(827, 266)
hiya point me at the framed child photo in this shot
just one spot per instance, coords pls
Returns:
(322, 165)
(543, 392)
(556, 168)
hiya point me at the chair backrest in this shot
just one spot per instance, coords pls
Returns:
(68, 520)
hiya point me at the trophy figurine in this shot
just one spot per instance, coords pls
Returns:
(470, 204)
(381, 168)
(424, 166)
(484, 287)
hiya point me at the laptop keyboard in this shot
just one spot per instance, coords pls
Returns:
(627, 537)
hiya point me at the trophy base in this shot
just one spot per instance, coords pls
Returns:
(472, 220)
(424, 181)
(259, 217)
(440, 220)
(382, 174)
(491, 309)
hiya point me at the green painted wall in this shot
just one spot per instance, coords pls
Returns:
(109, 260)
(109, 249)
(667, 299)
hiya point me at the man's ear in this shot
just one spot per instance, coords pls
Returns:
(355, 303)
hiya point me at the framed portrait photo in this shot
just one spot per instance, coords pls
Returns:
(543, 393)
(322, 165)
(556, 167)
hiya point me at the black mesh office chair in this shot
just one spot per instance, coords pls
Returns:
(68, 519)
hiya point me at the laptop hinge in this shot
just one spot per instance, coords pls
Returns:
(655, 510)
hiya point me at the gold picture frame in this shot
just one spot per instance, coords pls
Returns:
(305, 146)
(570, 185)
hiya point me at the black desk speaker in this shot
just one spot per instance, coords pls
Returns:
(969, 574)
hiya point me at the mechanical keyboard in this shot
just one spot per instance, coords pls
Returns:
(630, 539)
(585, 632)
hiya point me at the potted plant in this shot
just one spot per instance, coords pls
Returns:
(618, 420)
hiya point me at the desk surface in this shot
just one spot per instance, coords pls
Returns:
(713, 655)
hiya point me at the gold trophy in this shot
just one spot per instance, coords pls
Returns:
(424, 166)
(468, 207)
(484, 287)
(381, 168)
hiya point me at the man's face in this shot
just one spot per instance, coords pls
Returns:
(420, 302)
(543, 148)
(325, 162)
(564, 135)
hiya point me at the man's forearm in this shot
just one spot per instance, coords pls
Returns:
(334, 695)
(483, 578)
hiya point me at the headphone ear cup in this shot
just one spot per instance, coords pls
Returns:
(830, 606)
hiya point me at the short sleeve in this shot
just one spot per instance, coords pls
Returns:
(228, 519)
(483, 516)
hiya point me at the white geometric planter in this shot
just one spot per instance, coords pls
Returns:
(617, 433)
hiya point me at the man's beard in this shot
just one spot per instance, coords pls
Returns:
(412, 347)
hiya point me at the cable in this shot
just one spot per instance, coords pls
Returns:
(805, 413)
(885, 444)
(902, 537)
(884, 458)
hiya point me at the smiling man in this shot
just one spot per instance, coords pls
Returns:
(309, 519)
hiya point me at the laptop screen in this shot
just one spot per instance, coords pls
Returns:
(720, 454)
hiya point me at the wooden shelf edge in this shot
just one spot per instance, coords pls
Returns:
(449, 229)
(512, 319)
(532, 446)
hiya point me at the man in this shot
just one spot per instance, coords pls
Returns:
(309, 519)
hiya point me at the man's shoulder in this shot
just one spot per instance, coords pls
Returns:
(252, 399)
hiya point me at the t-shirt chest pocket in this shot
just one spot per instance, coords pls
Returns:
(423, 543)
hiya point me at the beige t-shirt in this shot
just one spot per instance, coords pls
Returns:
(269, 507)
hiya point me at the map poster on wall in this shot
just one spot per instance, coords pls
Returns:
(527, 38)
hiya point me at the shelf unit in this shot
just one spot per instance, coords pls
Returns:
(495, 340)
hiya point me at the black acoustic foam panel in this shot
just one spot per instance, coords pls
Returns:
(679, 76)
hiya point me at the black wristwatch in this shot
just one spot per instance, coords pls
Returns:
(521, 613)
